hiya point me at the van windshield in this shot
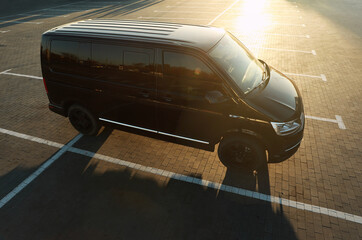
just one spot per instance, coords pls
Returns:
(238, 62)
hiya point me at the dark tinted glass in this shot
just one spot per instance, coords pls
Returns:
(136, 62)
(70, 57)
(138, 67)
(188, 78)
(182, 65)
(107, 61)
(125, 65)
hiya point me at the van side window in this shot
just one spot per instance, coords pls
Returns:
(138, 67)
(121, 64)
(70, 56)
(107, 61)
(136, 62)
(183, 65)
(189, 79)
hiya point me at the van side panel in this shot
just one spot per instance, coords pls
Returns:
(66, 74)
(114, 80)
(129, 83)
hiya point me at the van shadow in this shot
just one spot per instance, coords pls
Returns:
(106, 11)
(14, 177)
(79, 198)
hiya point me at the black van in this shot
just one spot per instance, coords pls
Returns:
(195, 83)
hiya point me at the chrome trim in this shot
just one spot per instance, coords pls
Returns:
(234, 116)
(153, 131)
(186, 138)
(127, 125)
(249, 119)
(293, 146)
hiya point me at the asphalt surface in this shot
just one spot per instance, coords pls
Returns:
(120, 185)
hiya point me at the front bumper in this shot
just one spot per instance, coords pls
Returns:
(285, 154)
(283, 147)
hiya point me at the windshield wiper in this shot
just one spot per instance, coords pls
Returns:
(266, 73)
(264, 79)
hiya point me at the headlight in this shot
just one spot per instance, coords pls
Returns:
(286, 128)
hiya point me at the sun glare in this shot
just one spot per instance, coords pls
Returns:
(252, 16)
(252, 20)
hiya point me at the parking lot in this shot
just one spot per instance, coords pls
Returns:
(57, 184)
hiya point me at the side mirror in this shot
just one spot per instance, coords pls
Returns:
(214, 97)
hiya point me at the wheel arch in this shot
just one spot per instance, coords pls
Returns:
(245, 133)
(70, 102)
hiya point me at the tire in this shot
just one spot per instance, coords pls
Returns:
(83, 120)
(242, 153)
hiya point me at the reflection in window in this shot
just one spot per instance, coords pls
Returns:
(136, 62)
(107, 61)
(107, 56)
(69, 56)
(188, 76)
(138, 67)
(182, 65)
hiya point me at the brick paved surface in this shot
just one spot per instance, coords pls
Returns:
(81, 197)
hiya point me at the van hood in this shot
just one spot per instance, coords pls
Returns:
(278, 99)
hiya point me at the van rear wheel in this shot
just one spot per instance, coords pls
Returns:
(241, 152)
(83, 120)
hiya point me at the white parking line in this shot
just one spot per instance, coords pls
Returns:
(322, 76)
(338, 120)
(234, 9)
(4, 31)
(180, 177)
(204, 7)
(214, 12)
(42, 15)
(94, 5)
(218, 3)
(195, 3)
(270, 23)
(108, 2)
(171, 18)
(284, 50)
(43, 9)
(276, 34)
(180, 6)
(213, 20)
(123, 6)
(50, 161)
(6, 72)
(68, 10)
(287, 24)
(268, 11)
(28, 22)
(199, 12)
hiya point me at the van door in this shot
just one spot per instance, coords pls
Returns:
(129, 84)
(192, 100)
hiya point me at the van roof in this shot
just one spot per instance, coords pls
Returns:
(202, 37)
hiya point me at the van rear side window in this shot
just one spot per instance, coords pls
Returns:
(107, 61)
(70, 56)
(136, 62)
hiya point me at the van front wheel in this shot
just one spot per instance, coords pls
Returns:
(242, 153)
(83, 120)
